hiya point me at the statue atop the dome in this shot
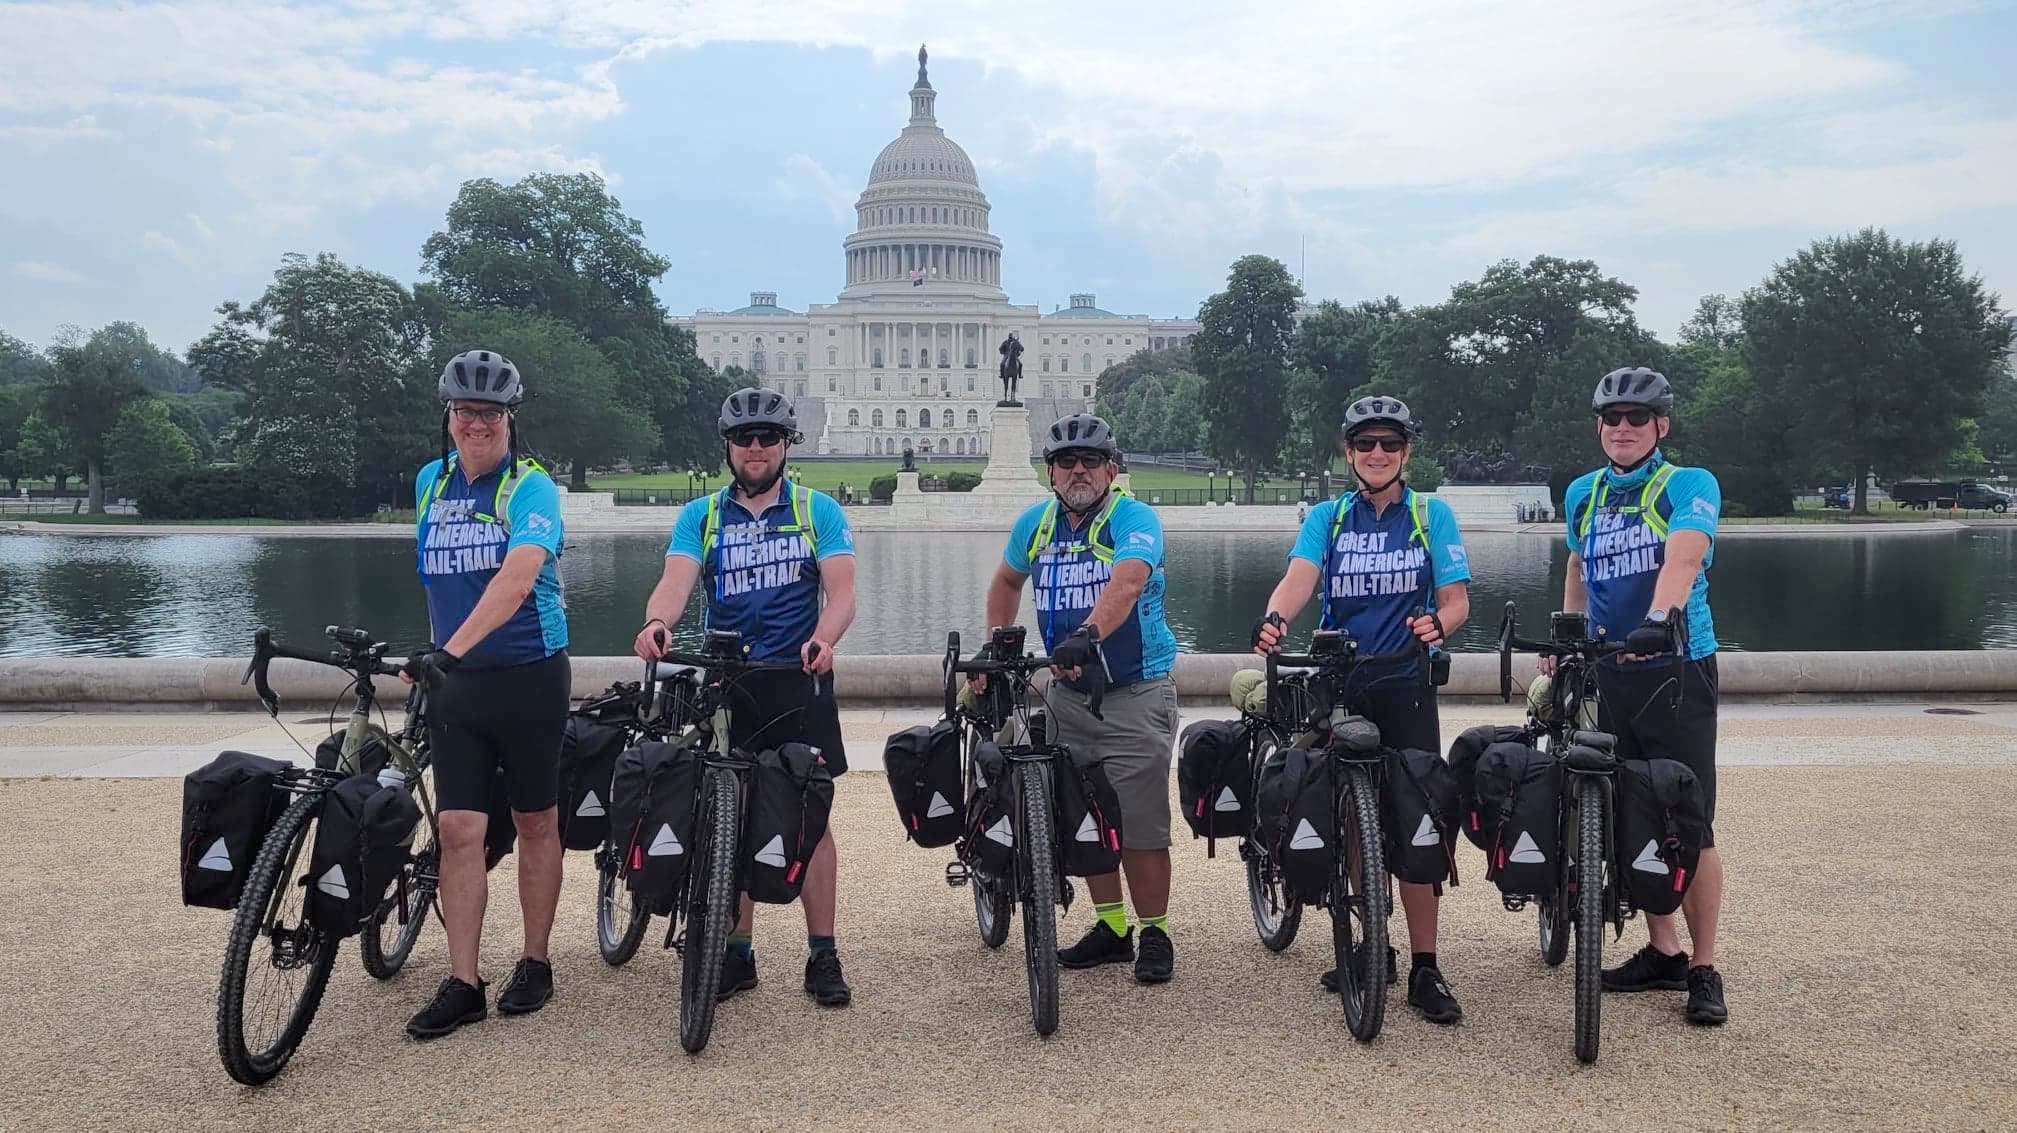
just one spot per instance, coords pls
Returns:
(1011, 369)
(921, 80)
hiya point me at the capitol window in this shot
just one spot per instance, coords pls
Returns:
(970, 364)
(735, 338)
(833, 356)
(798, 362)
(900, 417)
(878, 378)
(969, 383)
(877, 362)
(829, 332)
(1128, 341)
(854, 416)
(1089, 391)
(832, 384)
(972, 418)
(717, 338)
(735, 358)
(875, 419)
(1086, 363)
(1110, 340)
(1047, 363)
(944, 358)
(903, 356)
(1065, 363)
(923, 419)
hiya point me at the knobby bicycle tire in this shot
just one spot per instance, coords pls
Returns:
(615, 902)
(421, 877)
(993, 897)
(1362, 984)
(711, 908)
(1040, 894)
(1277, 915)
(1555, 912)
(1589, 868)
(267, 888)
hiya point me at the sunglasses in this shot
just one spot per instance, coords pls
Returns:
(1071, 460)
(1384, 444)
(1616, 417)
(467, 414)
(767, 438)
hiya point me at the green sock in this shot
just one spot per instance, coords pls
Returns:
(1113, 914)
(739, 943)
(1162, 922)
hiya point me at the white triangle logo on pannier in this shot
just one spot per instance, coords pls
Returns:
(1306, 837)
(1425, 834)
(772, 853)
(1526, 852)
(939, 808)
(1649, 859)
(1001, 832)
(591, 807)
(666, 844)
(217, 857)
(333, 883)
(1227, 800)
(1088, 830)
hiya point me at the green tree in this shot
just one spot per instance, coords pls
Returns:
(576, 412)
(20, 363)
(1731, 427)
(17, 403)
(159, 370)
(145, 448)
(208, 416)
(1122, 376)
(336, 381)
(92, 384)
(1717, 324)
(1242, 351)
(1997, 427)
(1336, 355)
(1558, 429)
(1885, 346)
(689, 421)
(45, 449)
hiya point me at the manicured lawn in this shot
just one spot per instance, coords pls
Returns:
(136, 520)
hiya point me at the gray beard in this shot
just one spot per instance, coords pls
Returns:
(1082, 499)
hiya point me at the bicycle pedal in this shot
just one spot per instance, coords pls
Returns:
(957, 874)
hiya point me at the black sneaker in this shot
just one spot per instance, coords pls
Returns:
(1330, 978)
(454, 1004)
(1649, 969)
(1158, 957)
(738, 973)
(1099, 946)
(1705, 997)
(530, 987)
(823, 980)
(1430, 994)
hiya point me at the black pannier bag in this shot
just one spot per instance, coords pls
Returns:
(1088, 817)
(922, 764)
(1295, 820)
(500, 835)
(1421, 813)
(1215, 780)
(363, 837)
(371, 758)
(790, 800)
(652, 797)
(989, 843)
(1464, 753)
(228, 806)
(1661, 825)
(588, 751)
(1517, 813)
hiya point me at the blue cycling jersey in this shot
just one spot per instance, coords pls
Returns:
(460, 546)
(1071, 567)
(1619, 525)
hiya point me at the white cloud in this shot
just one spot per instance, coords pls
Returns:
(804, 179)
(44, 272)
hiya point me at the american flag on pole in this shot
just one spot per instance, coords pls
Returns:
(917, 277)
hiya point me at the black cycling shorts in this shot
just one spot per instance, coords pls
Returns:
(481, 720)
(1657, 708)
(768, 708)
(1405, 715)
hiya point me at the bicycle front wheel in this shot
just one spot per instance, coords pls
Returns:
(1039, 893)
(1277, 915)
(710, 908)
(1588, 871)
(276, 964)
(1359, 907)
(387, 940)
(993, 897)
(620, 920)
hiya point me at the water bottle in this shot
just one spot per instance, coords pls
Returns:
(392, 776)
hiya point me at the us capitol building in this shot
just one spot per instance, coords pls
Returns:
(908, 355)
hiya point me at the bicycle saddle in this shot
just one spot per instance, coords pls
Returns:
(1356, 734)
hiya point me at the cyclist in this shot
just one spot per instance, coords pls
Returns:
(1641, 539)
(488, 521)
(1097, 556)
(778, 560)
(1394, 573)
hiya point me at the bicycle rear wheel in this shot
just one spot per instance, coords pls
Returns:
(710, 907)
(276, 965)
(1588, 871)
(1277, 915)
(1359, 907)
(620, 920)
(387, 940)
(1039, 893)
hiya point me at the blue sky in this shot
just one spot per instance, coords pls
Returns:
(158, 159)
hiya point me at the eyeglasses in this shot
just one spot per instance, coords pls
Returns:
(1071, 460)
(766, 438)
(1384, 444)
(1617, 417)
(489, 415)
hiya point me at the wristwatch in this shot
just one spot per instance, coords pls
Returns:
(1658, 617)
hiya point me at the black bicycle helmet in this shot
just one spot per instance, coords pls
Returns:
(1081, 430)
(1634, 385)
(1367, 412)
(752, 406)
(481, 375)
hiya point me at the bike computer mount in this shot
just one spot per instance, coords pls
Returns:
(1569, 627)
(1008, 641)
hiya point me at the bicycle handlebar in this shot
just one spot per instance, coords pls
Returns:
(1026, 665)
(1588, 649)
(362, 658)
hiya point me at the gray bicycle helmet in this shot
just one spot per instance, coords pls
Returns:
(1081, 430)
(1369, 411)
(752, 406)
(481, 375)
(1634, 385)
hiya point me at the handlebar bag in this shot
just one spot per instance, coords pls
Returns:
(1464, 753)
(588, 751)
(790, 801)
(228, 806)
(1296, 822)
(1088, 817)
(371, 758)
(988, 844)
(1215, 780)
(363, 838)
(1517, 812)
(922, 764)
(1661, 825)
(653, 797)
(1421, 811)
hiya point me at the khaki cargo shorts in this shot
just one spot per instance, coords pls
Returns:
(1134, 744)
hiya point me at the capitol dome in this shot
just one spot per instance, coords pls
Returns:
(923, 220)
